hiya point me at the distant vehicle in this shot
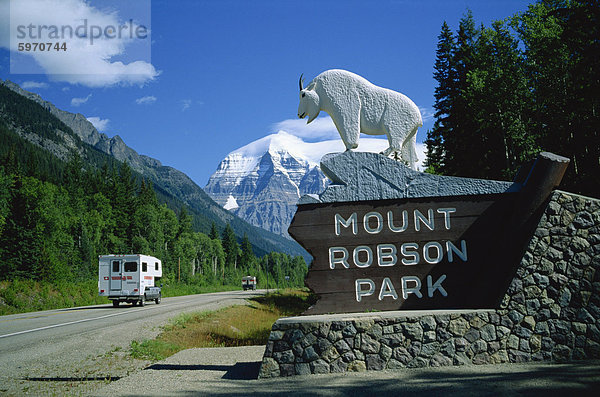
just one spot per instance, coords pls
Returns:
(249, 282)
(129, 278)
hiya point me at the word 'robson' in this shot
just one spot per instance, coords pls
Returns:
(387, 254)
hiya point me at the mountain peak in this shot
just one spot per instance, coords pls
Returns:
(262, 181)
(283, 142)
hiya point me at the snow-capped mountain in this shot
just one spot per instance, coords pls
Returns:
(262, 181)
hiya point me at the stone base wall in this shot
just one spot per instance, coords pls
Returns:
(551, 311)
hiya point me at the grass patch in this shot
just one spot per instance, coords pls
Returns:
(21, 296)
(288, 302)
(245, 325)
(153, 349)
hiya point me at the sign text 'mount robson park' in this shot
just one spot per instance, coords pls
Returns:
(392, 254)
(422, 253)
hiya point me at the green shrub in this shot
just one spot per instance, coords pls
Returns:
(20, 296)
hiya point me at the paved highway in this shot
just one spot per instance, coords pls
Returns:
(71, 344)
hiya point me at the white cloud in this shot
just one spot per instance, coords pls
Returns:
(89, 61)
(427, 114)
(80, 101)
(185, 104)
(146, 100)
(421, 154)
(320, 129)
(99, 123)
(28, 85)
(365, 144)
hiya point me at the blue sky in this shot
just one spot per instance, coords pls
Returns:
(224, 73)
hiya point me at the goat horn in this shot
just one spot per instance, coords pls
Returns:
(301, 81)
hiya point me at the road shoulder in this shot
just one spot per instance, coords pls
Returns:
(233, 371)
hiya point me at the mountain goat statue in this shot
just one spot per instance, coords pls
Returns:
(356, 105)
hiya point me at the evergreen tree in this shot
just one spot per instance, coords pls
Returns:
(462, 143)
(6, 182)
(122, 195)
(443, 96)
(185, 222)
(230, 246)
(73, 176)
(214, 233)
(10, 160)
(147, 195)
(247, 255)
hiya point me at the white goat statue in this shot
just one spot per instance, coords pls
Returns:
(356, 105)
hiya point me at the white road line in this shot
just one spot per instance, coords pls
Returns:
(63, 324)
(89, 319)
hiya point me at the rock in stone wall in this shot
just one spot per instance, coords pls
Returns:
(551, 311)
(554, 299)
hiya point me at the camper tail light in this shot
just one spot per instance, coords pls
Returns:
(101, 291)
(135, 290)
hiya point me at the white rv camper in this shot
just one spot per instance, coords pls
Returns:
(249, 282)
(129, 278)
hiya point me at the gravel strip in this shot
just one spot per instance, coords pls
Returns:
(189, 370)
(233, 371)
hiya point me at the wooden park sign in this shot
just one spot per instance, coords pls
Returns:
(455, 252)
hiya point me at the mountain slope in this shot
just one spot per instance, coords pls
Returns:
(262, 181)
(74, 132)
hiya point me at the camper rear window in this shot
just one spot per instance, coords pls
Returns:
(115, 268)
(131, 266)
(155, 265)
(144, 267)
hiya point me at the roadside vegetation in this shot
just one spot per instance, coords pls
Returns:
(243, 325)
(21, 296)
